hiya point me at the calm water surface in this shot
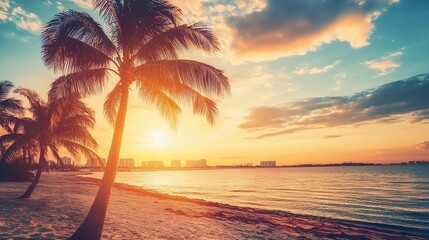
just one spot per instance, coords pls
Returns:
(397, 195)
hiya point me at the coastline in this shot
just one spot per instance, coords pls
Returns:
(62, 200)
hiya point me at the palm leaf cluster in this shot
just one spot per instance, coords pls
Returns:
(141, 45)
(9, 107)
(50, 126)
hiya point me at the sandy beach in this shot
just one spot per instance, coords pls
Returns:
(61, 201)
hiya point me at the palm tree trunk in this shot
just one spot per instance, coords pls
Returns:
(36, 179)
(92, 226)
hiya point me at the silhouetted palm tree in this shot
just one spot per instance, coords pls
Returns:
(8, 106)
(140, 44)
(58, 123)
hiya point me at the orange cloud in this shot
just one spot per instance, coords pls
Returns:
(315, 70)
(287, 28)
(383, 66)
(353, 28)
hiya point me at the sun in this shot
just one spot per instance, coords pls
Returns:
(156, 139)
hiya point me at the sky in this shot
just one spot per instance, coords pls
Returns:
(312, 81)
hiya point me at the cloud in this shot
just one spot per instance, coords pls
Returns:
(295, 27)
(315, 70)
(396, 54)
(331, 136)
(386, 64)
(249, 6)
(339, 80)
(24, 20)
(423, 145)
(83, 3)
(404, 100)
(60, 6)
(4, 7)
(14, 36)
(383, 66)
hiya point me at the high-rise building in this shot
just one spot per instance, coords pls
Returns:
(67, 161)
(144, 164)
(155, 164)
(175, 163)
(202, 163)
(94, 162)
(268, 163)
(126, 162)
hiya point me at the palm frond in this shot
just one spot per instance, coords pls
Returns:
(55, 153)
(111, 11)
(164, 104)
(11, 105)
(13, 143)
(5, 87)
(84, 83)
(185, 95)
(139, 20)
(68, 54)
(205, 107)
(111, 103)
(9, 122)
(77, 135)
(8, 138)
(78, 25)
(36, 103)
(167, 44)
(75, 149)
(200, 76)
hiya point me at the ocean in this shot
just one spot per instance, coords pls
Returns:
(389, 194)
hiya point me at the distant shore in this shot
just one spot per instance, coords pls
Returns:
(61, 201)
(345, 164)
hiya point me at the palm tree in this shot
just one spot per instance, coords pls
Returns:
(140, 44)
(58, 123)
(8, 106)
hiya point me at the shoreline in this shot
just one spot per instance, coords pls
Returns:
(156, 194)
(62, 200)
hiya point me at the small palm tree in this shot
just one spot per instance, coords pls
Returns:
(8, 106)
(58, 123)
(140, 45)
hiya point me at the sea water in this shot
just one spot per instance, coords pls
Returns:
(389, 194)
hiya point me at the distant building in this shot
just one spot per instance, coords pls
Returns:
(67, 161)
(418, 162)
(144, 164)
(94, 162)
(202, 163)
(51, 162)
(175, 163)
(268, 163)
(155, 164)
(126, 162)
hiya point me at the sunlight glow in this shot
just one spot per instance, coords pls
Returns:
(156, 139)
